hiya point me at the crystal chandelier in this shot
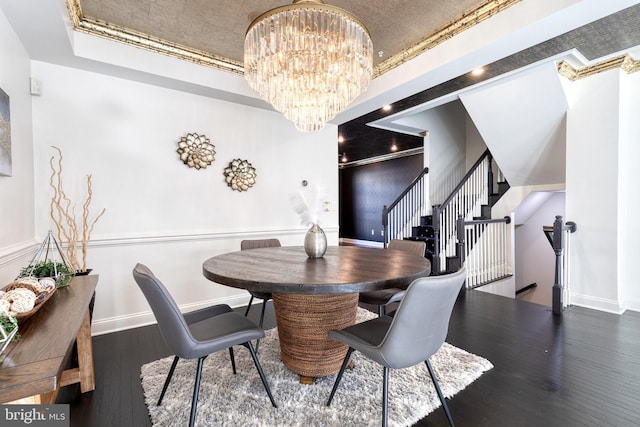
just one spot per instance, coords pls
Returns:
(309, 60)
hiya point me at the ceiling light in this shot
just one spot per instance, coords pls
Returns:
(394, 147)
(386, 107)
(340, 139)
(477, 72)
(344, 157)
(309, 60)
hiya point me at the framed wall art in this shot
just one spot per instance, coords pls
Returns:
(5, 135)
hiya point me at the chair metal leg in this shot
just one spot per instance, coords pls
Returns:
(260, 372)
(339, 377)
(233, 360)
(385, 396)
(196, 391)
(440, 395)
(264, 306)
(246, 313)
(168, 380)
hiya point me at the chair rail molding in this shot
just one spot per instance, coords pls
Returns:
(18, 251)
(204, 236)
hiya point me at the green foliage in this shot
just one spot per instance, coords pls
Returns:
(9, 324)
(48, 268)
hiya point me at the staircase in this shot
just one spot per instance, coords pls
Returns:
(461, 228)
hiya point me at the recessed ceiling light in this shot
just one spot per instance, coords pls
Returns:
(386, 107)
(340, 139)
(477, 71)
(343, 158)
(394, 147)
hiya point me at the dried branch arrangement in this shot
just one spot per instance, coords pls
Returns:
(64, 217)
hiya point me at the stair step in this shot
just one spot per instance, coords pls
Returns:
(503, 186)
(426, 220)
(422, 231)
(453, 263)
(485, 211)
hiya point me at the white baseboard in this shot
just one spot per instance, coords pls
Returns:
(633, 304)
(505, 287)
(136, 320)
(596, 303)
(364, 243)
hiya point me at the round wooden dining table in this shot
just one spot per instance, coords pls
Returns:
(314, 295)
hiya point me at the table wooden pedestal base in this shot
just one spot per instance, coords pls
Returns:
(303, 322)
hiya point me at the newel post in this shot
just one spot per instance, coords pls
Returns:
(490, 175)
(460, 252)
(385, 225)
(558, 245)
(435, 223)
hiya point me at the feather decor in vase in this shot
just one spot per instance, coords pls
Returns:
(308, 204)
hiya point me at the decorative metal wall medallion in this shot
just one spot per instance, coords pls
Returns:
(240, 175)
(196, 151)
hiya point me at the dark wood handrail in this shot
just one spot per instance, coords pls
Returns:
(409, 187)
(462, 223)
(506, 220)
(464, 179)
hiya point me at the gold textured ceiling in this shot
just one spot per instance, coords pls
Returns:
(212, 32)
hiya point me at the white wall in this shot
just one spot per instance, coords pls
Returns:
(16, 191)
(159, 211)
(521, 119)
(628, 181)
(447, 148)
(475, 144)
(593, 196)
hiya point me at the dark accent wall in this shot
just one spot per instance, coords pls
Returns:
(364, 190)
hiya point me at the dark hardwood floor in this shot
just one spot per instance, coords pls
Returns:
(580, 369)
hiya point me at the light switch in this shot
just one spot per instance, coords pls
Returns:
(35, 87)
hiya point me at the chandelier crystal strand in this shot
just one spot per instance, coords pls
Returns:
(309, 60)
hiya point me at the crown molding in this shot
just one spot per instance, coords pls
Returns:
(476, 15)
(624, 62)
(145, 41)
(88, 25)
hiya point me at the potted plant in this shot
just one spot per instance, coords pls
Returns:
(58, 271)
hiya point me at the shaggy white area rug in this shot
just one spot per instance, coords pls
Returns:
(240, 400)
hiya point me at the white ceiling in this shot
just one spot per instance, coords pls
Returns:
(46, 31)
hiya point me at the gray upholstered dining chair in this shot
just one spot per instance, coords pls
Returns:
(197, 334)
(383, 297)
(264, 296)
(416, 332)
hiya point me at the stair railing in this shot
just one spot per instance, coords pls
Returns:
(404, 213)
(483, 247)
(558, 236)
(466, 199)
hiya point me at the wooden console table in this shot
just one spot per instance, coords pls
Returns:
(34, 365)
